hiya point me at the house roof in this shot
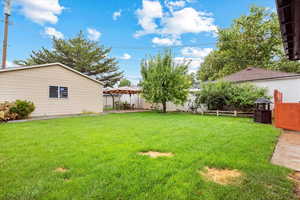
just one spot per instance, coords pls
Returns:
(252, 74)
(289, 17)
(48, 65)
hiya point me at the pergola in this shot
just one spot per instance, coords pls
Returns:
(121, 91)
(289, 18)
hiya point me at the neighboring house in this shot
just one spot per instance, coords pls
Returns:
(55, 89)
(287, 83)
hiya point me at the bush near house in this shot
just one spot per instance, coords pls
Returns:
(229, 96)
(18, 109)
(5, 114)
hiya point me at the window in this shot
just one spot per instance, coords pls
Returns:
(53, 91)
(58, 92)
(63, 92)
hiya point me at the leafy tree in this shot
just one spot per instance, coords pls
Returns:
(80, 54)
(124, 82)
(252, 40)
(164, 80)
(226, 95)
(215, 95)
(243, 96)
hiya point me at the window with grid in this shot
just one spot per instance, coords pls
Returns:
(58, 92)
(53, 91)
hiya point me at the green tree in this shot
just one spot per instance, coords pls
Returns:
(226, 95)
(124, 82)
(252, 40)
(80, 54)
(164, 81)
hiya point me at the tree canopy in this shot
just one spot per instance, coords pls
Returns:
(252, 40)
(124, 82)
(164, 80)
(80, 54)
(226, 95)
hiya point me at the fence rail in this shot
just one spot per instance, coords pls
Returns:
(228, 113)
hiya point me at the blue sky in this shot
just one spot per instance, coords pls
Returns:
(133, 28)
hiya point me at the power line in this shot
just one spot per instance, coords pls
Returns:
(181, 46)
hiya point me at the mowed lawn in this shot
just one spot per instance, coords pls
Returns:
(101, 155)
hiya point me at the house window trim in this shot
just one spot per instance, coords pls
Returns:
(59, 96)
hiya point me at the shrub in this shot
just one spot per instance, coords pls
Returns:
(214, 95)
(225, 95)
(22, 108)
(5, 114)
(243, 96)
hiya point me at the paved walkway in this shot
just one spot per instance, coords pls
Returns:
(287, 152)
(78, 115)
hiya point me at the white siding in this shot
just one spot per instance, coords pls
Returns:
(289, 87)
(33, 84)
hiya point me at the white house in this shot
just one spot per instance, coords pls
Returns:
(287, 83)
(55, 89)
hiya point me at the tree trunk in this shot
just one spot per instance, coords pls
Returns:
(164, 107)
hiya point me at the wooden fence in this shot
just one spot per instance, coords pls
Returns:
(227, 113)
(287, 115)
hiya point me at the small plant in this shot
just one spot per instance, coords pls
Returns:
(22, 108)
(5, 114)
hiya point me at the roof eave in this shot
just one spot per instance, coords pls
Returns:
(289, 18)
(261, 79)
(48, 65)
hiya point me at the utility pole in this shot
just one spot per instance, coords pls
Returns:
(7, 9)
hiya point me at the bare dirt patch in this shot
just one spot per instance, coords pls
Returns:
(295, 177)
(221, 176)
(61, 170)
(155, 154)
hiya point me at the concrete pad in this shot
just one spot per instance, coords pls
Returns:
(287, 152)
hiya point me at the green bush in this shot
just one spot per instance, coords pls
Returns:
(214, 95)
(5, 114)
(227, 96)
(22, 108)
(244, 95)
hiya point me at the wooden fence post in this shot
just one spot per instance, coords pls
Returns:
(235, 113)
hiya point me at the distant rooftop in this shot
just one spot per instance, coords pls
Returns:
(252, 74)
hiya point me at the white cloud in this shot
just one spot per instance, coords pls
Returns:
(93, 34)
(117, 14)
(125, 56)
(166, 41)
(188, 20)
(195, 52)
(146, 17)
(41, 11)
(175, 4)
(195, 56)
(52, 32)
(174, 22)
(194, 63)
(10, 64)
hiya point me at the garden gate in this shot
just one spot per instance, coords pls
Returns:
(287, 115)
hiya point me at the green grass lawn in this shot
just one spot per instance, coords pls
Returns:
(100, 153)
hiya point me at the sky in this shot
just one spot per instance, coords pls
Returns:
(134, 29)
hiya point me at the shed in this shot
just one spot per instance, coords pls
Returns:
(55, 89)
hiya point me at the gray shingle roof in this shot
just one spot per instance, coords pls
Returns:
(252, 74)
